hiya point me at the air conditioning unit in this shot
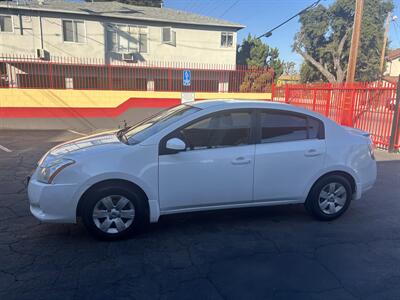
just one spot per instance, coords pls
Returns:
(129, 57)
(42, 54)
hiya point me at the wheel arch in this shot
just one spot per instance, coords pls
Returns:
(116, 181)
(342, 173)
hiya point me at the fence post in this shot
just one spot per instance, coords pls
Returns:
(109, 77)
(395, 128)
(328, 100)
(286, 93)
(314, 99)
(272, 90)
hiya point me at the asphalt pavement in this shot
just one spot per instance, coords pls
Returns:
(257, 253)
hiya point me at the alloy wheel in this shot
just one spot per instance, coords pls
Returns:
(113, 214)
(332, 198)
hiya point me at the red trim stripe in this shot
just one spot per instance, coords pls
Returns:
(86, 112)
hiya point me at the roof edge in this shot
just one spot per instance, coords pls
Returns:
(237, 26)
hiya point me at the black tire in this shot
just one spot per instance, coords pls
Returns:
(112, 190)
(315, 201)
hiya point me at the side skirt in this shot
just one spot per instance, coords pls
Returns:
(228, 206)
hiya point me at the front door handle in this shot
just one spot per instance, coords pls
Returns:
(241, 161)
(312, 152)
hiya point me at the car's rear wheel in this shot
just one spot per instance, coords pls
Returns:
(114, 212)
(329, 198)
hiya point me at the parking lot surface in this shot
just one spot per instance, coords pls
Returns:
(257, 253)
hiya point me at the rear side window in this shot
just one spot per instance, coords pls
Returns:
(286, 127)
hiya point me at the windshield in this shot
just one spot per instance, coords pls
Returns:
(143, 130)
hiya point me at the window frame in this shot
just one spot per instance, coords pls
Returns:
(73, 33)
(258, 130)
(172, 42)
(112, 25)
(162, 150)
(227, 33)
(12, 24)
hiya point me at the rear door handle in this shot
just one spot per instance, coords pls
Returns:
(241, 161)
(312, 152)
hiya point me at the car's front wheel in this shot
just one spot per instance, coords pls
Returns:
(113, 212)
(329, 198)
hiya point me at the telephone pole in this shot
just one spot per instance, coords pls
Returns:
(385, 37)
(355, 41)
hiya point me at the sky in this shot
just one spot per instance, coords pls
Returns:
(260, 16)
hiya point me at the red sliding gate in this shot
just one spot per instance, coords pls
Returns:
(367, 106)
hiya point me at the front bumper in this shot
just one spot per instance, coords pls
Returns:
(52, 202)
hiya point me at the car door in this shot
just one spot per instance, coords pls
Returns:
(290, 150)
(217, 166)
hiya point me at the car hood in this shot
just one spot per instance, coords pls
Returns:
(84, 145)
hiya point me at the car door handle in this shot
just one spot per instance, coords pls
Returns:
(312, 152)
(241, 161)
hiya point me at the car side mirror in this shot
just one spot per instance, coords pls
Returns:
(175, 145)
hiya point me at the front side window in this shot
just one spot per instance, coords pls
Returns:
(224, 129)
(286, 127)
(154, 124)
(74, 31)
(6, 24)
(226, 39)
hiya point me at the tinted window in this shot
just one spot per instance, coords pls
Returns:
(281, 127)
(219, 130)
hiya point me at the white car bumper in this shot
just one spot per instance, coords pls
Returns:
(52, 202)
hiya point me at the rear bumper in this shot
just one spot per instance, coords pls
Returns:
(368, 180)
(52, 202)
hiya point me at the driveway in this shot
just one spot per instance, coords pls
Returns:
(257, 253)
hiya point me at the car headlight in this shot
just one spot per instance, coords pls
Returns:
(47, 172)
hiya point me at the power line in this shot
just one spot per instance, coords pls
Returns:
(269, 33)
(229, 8)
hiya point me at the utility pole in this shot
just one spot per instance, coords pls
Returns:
(349, 96)
(385, 37)
(355, 41)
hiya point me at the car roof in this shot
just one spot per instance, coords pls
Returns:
(243, 103)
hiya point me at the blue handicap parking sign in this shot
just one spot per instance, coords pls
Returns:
(186, 77)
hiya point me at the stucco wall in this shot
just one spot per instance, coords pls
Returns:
(89, 109)
(393, 67)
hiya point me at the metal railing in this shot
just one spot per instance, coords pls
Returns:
(86, 73)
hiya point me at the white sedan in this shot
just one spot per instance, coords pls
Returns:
(204, 155)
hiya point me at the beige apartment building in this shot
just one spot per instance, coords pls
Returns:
(114, 32)
(393, 65)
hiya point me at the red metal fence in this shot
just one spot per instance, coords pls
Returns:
(367, 106)
(74, 73)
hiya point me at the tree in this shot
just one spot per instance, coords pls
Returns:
(254, 53)
(289, 68)
(153, 3)
(263, 62)
(324, 40)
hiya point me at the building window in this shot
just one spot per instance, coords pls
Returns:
(168, 36)
(226, 39)
(74, 31)
(6, 24)
(128, 38)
